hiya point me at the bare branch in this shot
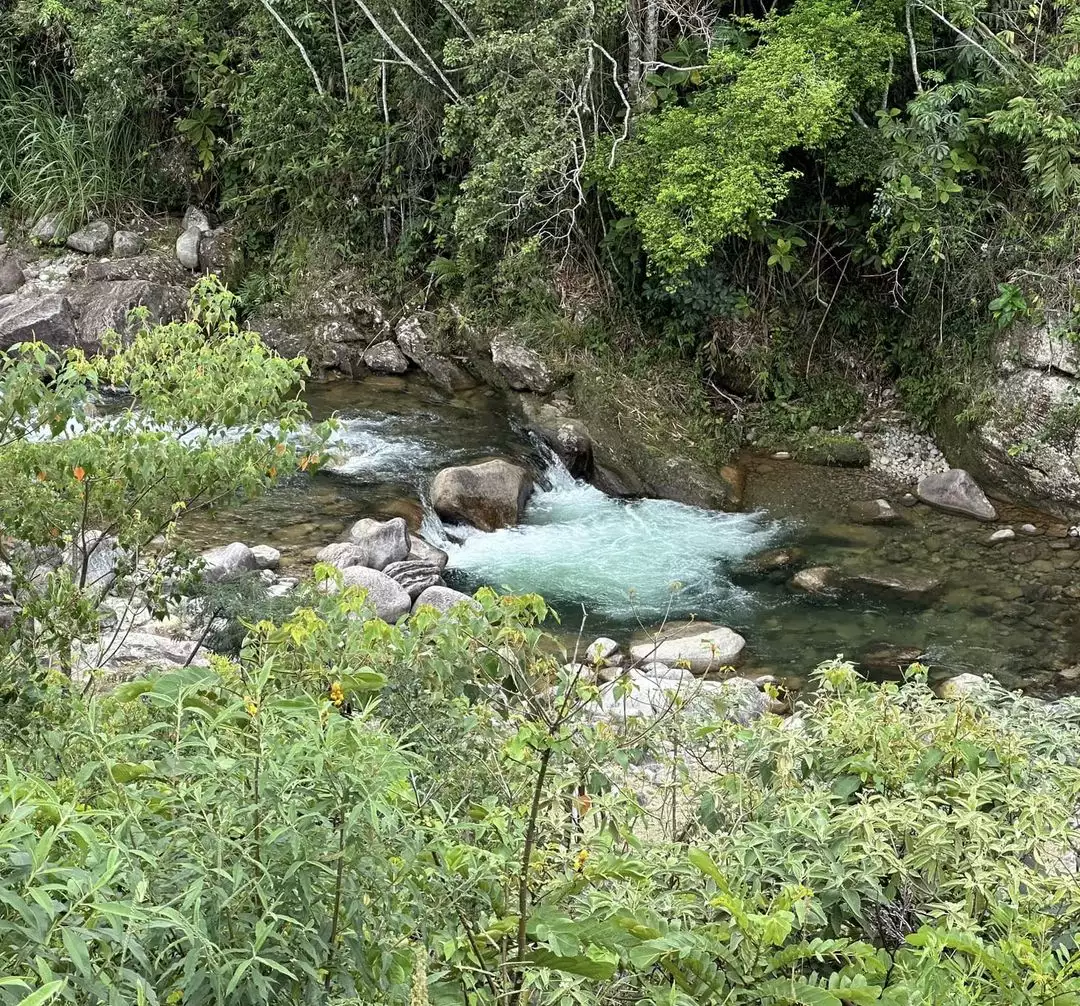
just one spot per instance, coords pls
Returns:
(295, 41)
(423, 52)
(457, 20)
(395, 48)
(912, 51)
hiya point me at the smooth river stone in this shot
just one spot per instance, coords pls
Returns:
(709, 649)
(955, 491)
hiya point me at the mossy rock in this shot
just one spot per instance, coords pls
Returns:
(837, 451)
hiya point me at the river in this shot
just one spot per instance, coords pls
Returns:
(1011, 609)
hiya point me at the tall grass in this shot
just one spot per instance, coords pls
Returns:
(57, 158)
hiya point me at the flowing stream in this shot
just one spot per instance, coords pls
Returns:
(629, 565)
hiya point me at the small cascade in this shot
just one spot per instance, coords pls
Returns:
(622, 559)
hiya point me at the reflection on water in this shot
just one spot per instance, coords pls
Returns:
(1011, 609)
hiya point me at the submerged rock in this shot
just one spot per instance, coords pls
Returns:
(955, 491)
(775, 563)
(897, 586)
(444, 599)
(710, 648)
(381, 542)
(489, 495)
(879, 511)
(815, 580)
(93, 239)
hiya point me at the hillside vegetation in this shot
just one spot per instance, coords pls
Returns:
(784, 196)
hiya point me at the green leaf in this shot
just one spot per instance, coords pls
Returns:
(77, 952)
(843, 786)
(123, 772)
(600, 967)
(43, 995)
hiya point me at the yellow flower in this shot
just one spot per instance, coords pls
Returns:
(337, 696)
(579, 860)
(249, 705)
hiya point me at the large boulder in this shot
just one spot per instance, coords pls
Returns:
(815, 580)
(773, 564)
(705, 648)
(381, 542)
(103, 307)
(389, 599)
(227, 562)
(120, 652)
(955, 491)
(415, 336)
(414, 576)
(385, 358)
(221, 254)
(48, 319)
(93, 239)
(444, 599)
(523, 368)
(489, 495)
(635, 694)
(342, 554)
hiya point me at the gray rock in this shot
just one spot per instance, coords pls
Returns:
(138, 649)
(782, 455)
(415, 576)
(737, 699)
(444, 599)
(899, 586)
(878, 511)
(187, 248)
(1041, 348)
(221, 254)
(602, 652)
(385, 358)
(1029, 529)
(266, 557)
(93, 239)
(342, 554)
(815, 580)
(419, 345)
(127, 244)
(11, 275)
(1004, 534)
(389, 599)
(569, 438)
(775, 563)
(488, 496)
(49, 319)
(49, 230)
(955, 491)
(523, 368)
(3, 236)
(426, 552)
(100, 555)
(196, 219)
(382, 542)
(709, 648)
(227, 561)
(104, 307)
(965, 686)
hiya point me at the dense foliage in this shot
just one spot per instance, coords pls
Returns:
(779, 191)
(92, 486)
(353, 812)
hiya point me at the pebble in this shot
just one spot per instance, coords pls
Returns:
(1003, 535)
(909, 499)
(782, 456)
(1029, 529)
(903, 454)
